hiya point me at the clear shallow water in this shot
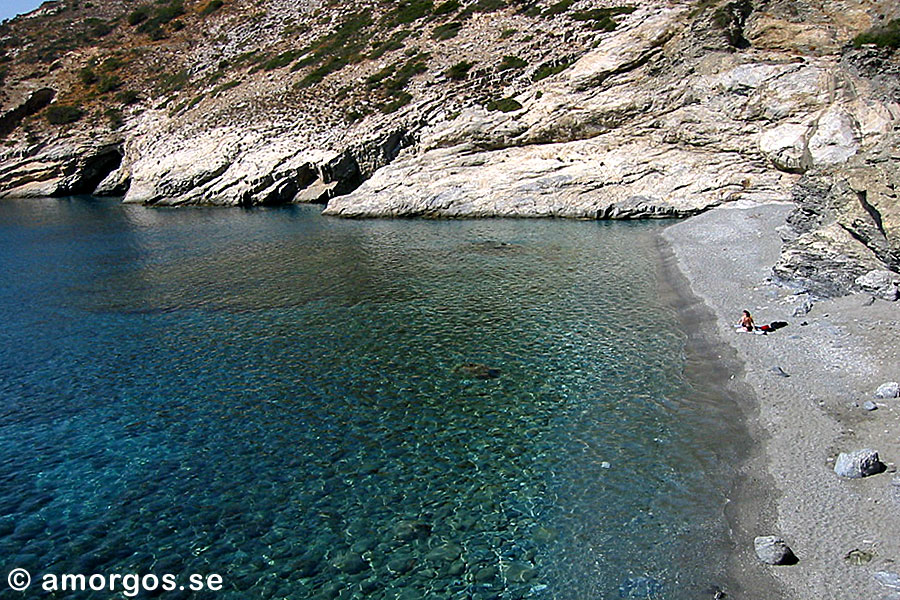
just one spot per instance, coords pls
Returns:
(279, 398)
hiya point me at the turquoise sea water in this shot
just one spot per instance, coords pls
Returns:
(283, 399)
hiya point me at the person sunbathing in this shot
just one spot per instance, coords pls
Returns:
(747, 321)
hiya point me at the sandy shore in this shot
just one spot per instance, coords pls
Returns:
(834, 362)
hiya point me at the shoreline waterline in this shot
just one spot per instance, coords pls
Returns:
(715, 366)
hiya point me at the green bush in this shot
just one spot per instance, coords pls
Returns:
(127, 97)
(116, 120)
(400, 100)
(558, 8)
(545, 71)
(139, 15)
(508, 33)
(97, 28)
(113, 63)
(282, 60)
(887, 36)
(335, 50)
(212, 7)
(512, 62)
(446, 8)
(446, 31)
(395, 42)
(87, 76)
(601, 19)
(504, 105)
(459, 71)
(63, 114)
(407, 11)
(108, 83)
(225, 86)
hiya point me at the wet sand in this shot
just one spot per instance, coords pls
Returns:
(799, 423)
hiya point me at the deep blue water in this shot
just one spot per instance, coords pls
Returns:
(282, 399)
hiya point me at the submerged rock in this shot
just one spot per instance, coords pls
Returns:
(773, 550)
(858, 464)
(640, 587)
(478, 371)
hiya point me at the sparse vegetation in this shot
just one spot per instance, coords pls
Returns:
(558, 8)
(108, 83)
(446, 31)
(504, 105)
(139, 15)
(116, 120)
(212, 7)
(127, 97)
(459, 71)
(546, 70)
(63, 114)
(451, 6)
(512, 62)
(87, 76)
(601, 19)
(508, 33)
(407, 11)
(337, 49)
(282, 60)
(395, 42)
(225, 87)
(887, 36)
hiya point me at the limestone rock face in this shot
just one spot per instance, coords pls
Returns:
(679, 108)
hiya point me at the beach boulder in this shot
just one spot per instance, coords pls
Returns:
(891, 389)
(880, 283)
(773, 550)
(858, 464)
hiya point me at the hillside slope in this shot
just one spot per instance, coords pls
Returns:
(474, 108)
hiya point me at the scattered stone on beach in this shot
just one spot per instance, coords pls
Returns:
(805, 305)
(888, 579)
(778, 371)
(478, 371)
(895, 489)
(880, 283)
(858, 464)
(859, 557)
(869, 405)
(773, 550)
(891, 389)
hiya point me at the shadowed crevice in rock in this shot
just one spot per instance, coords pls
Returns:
(85, 175)
(11, 120)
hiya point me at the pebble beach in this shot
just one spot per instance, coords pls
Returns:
(810, 390)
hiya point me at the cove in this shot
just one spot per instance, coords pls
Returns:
(283, 399)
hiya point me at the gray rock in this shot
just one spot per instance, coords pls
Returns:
(880, 283)
(857, 464)
(888, 579)
(891, 389)
(804, 306)
(773, 550)
(869, 405)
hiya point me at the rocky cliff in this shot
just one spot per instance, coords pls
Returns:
(475, 108)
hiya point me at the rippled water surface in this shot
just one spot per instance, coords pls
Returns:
(318, 408)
